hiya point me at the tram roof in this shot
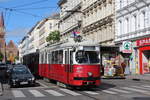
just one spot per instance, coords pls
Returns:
(71, 44)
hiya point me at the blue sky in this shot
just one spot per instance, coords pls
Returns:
(21, 15)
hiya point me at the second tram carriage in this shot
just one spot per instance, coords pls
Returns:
(76, 65)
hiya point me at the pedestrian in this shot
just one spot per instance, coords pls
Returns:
(1, 85)
(2, 76)
(123, 66)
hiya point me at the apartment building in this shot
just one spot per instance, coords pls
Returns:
(70, 18)
(23, 47)
(35, 39)
(45, 27)
(99, 26)
(133, 33)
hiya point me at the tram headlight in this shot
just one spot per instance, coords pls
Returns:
(90, 73)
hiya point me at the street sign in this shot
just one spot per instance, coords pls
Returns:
(126, 47)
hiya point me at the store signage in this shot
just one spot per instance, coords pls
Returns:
(143, 42)
(126, 47)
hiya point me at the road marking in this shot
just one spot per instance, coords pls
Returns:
(91, 92)
(146, 88)
(52, 92)
(70, 92)
(36, 93)
(18, 93)
(118, 90)
(42, 84)
(136, 90)
(110, 92)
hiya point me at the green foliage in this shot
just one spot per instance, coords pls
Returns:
(1, 56)
(17, 58)
(53, 37)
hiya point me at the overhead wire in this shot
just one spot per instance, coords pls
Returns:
(35, 8)
(29, 4)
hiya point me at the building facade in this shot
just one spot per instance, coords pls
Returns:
(12, 52)
(45, 27)
(23, 47)
(35, 39)
(132, 28)
(99, 26)
(98, 20)
(70, 18)
(2, 38)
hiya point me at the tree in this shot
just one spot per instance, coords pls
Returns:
(53, 37)
(1, 56)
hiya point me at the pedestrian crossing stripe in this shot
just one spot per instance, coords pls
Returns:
(52, 92)
(70, 92)
(113, 91)
(119, 90)
(91, 92)
(145, 88)
(134, 89)
(18, 93)
(109, 92)
(36, 93)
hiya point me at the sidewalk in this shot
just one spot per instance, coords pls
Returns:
(145, 77)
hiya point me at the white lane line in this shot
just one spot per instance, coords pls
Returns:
(133, 89)
(91, 92)
(36, 93)
(18, 93)
(52, 92)
(70, 92)
(118, 90)
(109, 92)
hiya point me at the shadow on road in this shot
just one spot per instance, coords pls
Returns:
(141, 98)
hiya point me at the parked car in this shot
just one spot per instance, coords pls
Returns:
(3, 72)
(20, 75)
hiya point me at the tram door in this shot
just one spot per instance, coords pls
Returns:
(68, 64)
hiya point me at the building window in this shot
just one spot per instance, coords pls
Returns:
(50, 25)
(126, 25)
(134, 23)
(120, 2)
(142, 20)
(119, 28)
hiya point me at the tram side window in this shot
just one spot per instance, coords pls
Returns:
(53, 57)
(45, 58)
(60, 57)
(49, 58)
(66, 57)
(42, 58)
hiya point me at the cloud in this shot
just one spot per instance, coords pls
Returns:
(16, 34)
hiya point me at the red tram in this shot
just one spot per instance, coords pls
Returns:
(76, 65)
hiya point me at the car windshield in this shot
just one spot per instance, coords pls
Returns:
(89, 57)
(21, 71)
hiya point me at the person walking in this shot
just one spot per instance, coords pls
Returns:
(2, 77)
(1, 84)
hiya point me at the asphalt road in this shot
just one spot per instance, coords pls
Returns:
(110, 89)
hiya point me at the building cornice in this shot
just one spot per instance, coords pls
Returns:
(98, 2)
(99, 23)
(132, 8)
(68, 14)
(133, 33)
(60, 2)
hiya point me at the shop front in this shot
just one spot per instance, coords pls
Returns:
(143, 46)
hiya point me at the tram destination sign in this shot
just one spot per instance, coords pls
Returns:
(143, 42)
